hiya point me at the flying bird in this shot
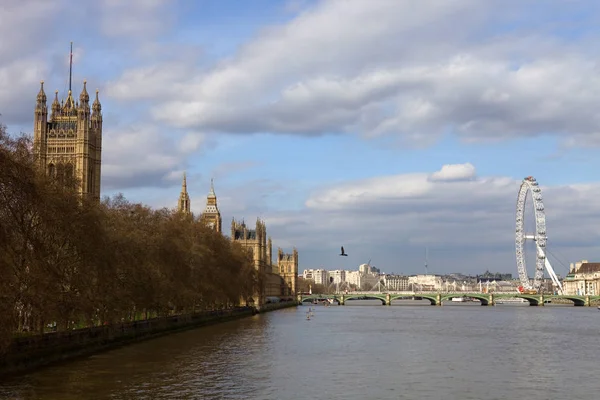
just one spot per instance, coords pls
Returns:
(343, 254)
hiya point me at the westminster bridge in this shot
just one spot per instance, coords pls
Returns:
(437, 298)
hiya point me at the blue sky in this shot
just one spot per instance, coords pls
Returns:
(332, 119)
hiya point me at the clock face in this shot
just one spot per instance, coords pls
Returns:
(211, 224)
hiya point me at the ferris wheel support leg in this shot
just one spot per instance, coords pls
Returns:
(554, 277)
(551, 271)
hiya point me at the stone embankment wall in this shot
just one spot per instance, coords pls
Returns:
(278, 306)
(34, 351)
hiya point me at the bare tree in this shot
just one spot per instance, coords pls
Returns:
(68, 262)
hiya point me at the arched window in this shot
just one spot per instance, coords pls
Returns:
(69, 171)
(60, 172)
(69, 175)
(91, 180)
(51, 170)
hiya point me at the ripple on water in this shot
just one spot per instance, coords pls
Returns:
(369, 352)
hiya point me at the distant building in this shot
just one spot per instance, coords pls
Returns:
(255, 242)
(397, 283)
(183, 204)
(338, 276)
(426, 282)
(488, 276)
(287, 265)
(583, 279)
(318, 276)
(278, 280)
(211, 215)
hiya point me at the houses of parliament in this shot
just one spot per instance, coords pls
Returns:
(278, 279)
(67, 144)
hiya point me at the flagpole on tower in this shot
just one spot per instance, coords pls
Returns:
(70, 66)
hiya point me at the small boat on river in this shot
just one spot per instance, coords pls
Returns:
(460, 299)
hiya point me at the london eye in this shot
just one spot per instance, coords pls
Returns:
(530, 186)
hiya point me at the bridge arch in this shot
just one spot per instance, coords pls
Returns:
(366, 297)
(578, 301)
(533, 300)
(417, 296)
(311, 298)
(484, 299)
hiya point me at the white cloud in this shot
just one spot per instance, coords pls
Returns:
(24, 26)
(20, 76)
(454, 172)
(461, 221)
(143, 156)
(25, 32)
(319, 74)
(134, 17)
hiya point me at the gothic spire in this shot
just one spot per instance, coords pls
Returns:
(84, 97)
(55, 104)
(184, 198)
(69, 103)
(212, 189)
(96, 107)
(41, 97)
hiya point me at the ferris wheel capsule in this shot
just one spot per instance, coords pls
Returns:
(530, 185)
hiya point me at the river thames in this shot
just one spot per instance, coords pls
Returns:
(359, 351)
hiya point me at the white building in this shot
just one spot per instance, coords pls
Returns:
(318, 276)
(583, 279)
(364, 269)
(396, 283)
(339, 276)
(425, 282)
(354, 278)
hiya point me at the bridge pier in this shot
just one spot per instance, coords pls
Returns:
(435, 299)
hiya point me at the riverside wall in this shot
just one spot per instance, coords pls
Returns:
(277, 306)
(30, 352)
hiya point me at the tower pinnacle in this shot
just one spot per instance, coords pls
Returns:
(41, 97)
(184, 198)
(212, 188)
(211, 214)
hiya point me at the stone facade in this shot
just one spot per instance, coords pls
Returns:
(287, 265)
(272, 281)
(67, 143)
(255, 242)
(583, 279)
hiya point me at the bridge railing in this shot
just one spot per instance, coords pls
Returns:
(412, 293)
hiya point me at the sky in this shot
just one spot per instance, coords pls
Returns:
(394, 128)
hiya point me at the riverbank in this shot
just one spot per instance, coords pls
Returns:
(277, 306)
(31, 352)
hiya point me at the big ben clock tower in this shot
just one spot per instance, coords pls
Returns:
(211, 215)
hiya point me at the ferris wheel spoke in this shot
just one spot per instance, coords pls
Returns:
(530, 186)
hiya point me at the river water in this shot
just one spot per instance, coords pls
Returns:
(359, 351)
